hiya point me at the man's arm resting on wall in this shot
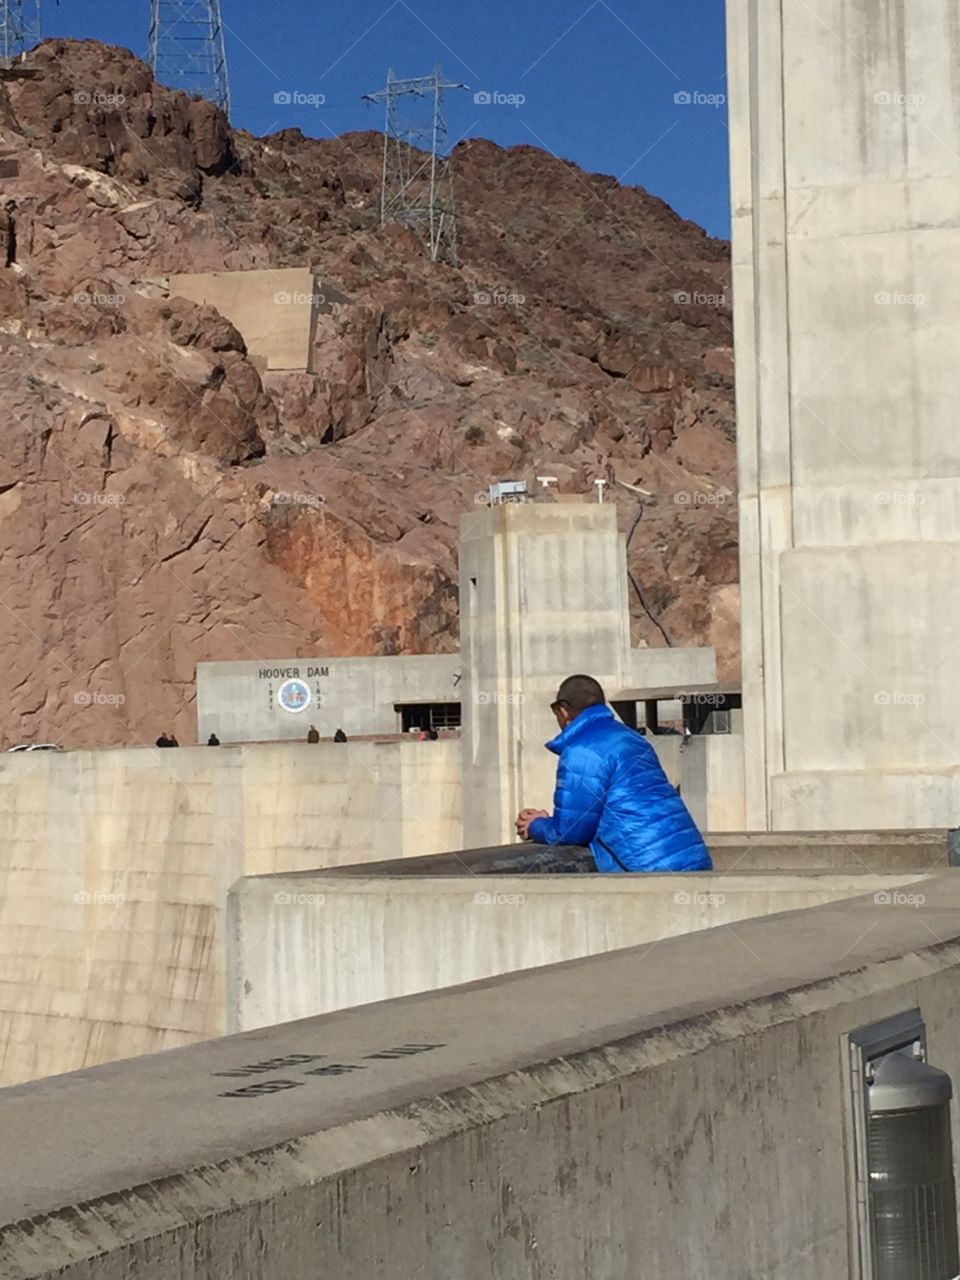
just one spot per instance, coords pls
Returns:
(577, 803)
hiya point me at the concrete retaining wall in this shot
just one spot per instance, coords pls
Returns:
(275, 310)
(676, 1111)
(303, 945)
(115, 866)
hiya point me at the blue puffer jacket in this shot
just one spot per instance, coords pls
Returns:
(613, 795)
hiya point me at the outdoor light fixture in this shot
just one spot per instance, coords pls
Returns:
(903, 1198)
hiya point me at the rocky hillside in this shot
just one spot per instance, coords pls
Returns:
(162, 503)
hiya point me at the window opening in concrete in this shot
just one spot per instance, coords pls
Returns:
(428, 715)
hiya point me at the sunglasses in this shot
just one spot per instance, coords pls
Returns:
(555, 706)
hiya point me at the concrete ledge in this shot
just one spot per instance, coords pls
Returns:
(877, 851)
(565, 1123)
(300, 945)
(848, 851)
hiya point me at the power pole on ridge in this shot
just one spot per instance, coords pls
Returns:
(19, 29)
(417, 182)
(187, 49)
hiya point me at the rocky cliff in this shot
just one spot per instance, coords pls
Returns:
(163, 501)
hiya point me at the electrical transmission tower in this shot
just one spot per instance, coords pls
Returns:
(417, 185)
(187, 49)
(19, 28)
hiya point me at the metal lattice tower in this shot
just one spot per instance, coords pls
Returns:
(19, 28)
(417, 186)
(187, 49)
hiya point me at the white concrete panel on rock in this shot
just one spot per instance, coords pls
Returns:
(275, 310)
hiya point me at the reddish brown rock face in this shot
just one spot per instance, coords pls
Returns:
(162, 502)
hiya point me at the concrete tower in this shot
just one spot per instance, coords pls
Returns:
(543, 595)
(845, 128)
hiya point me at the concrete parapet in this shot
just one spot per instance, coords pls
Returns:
(873, 851)
(785, 851)
(307, 944)
(650, 1111)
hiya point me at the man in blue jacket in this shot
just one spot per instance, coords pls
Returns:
(612, 793)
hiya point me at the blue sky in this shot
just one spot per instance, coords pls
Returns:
(600, 79)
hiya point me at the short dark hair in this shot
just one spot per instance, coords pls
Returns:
(580, 692)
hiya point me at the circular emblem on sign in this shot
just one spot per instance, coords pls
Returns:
(293, 695)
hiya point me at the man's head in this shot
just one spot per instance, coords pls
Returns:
(575, 695)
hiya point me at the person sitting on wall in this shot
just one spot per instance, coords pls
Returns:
(165, 740)
(213, 741)
(339, 736)
(313, 735)
(612, 793)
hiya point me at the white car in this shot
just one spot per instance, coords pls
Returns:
(36, 746)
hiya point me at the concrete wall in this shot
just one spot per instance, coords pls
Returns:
(801, 852)
(115, 866)
(309, 944)
(275, 310)
(676, 1111)
(239, 700)
(711, 781)
(845, 144)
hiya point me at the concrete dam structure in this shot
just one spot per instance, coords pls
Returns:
(116, 865)
(115, 868)
(482, 1062)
